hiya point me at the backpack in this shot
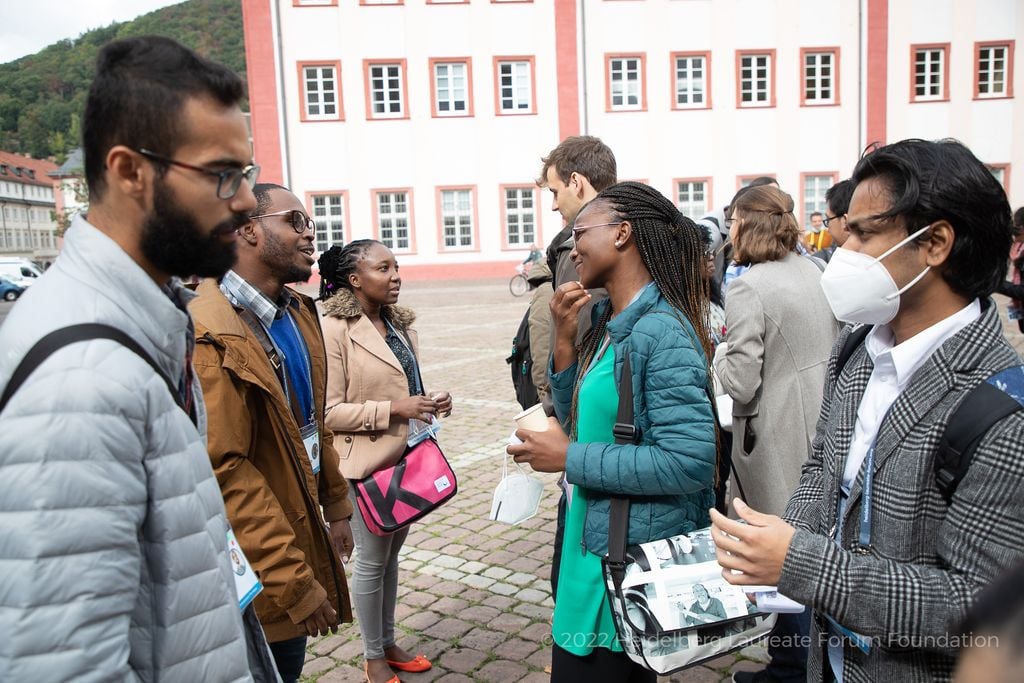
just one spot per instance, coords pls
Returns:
(521, 362)
(986, 404)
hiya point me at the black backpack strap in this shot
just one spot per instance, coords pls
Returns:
(625, 433)
(853, 340)
(58, 339)
(980, 410)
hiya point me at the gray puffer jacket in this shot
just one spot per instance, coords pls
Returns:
(112, 528)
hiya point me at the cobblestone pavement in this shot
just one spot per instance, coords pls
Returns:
(474, 595)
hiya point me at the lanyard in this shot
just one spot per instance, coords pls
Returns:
(864, 540)
(307, 375)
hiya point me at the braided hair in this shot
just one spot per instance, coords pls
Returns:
(672, 250)
(337, 263)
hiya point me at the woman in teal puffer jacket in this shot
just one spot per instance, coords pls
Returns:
(632, 241)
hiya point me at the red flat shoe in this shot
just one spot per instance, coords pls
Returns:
(366, 671)
(414, 666)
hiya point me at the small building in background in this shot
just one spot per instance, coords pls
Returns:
(28, 208)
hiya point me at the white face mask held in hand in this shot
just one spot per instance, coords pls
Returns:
(860, 289)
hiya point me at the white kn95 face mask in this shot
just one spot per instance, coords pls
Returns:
(860, 289)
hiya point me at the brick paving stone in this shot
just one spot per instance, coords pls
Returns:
(433, 543)
(525, 564)
(452, 575)
(536, 677)
(455, 678)
(476, 581)
(474, 595)
(501, 671)
(450, 606)
(509, 623)
(473, 555)
(497, 572)
(500, 602)
(532, 611)
(481, 614)
(325, 645)
(422, 555)
(538, 632)
(520, 579)
(483, 639)
(540, 659)
(502, 588)
(532, 595)
(431, 674)
(421, 620)
(455, 548)
(343, 674)
(473, 567)
(318, 665)
(516, 649)
(350, 651)
(421, 581)
(448, 588)
(448, 561)
(462, 660)
(418, 599)
(448, 629)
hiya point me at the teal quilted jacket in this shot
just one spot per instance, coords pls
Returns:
(669, 475)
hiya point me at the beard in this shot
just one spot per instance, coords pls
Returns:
(280, 258)
(174, 243)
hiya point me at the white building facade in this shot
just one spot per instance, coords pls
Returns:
(28, 228)
(422, 123)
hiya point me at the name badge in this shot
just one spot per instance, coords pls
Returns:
(311, 440)
(247, 584)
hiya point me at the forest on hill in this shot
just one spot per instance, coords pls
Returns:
(42, 96)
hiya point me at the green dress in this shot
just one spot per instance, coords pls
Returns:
(583, 617)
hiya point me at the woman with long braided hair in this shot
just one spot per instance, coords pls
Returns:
(633, 242)
(373, 391)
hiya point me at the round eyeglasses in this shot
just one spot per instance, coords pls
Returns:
(299, 221)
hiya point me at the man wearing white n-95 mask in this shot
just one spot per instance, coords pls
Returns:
(868, 540)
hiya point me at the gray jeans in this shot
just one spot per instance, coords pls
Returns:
(375, 583)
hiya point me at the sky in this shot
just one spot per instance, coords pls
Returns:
(27, 26)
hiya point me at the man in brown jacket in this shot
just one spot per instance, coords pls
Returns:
(261, 362)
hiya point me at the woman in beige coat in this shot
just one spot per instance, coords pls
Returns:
(373, 391)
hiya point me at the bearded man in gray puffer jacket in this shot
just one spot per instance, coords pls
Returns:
(113, 537)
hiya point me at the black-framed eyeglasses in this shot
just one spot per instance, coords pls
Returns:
(583, 228)
(730, 221)
(299, 221)
(228, 180)
(825, 220)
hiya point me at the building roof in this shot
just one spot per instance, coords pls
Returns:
(74, 166)
(21, 169)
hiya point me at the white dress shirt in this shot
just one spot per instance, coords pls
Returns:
(894, 367)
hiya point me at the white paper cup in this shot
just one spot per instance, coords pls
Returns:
(533, 418)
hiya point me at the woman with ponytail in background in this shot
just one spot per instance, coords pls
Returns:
(632, 241)
(373, 390)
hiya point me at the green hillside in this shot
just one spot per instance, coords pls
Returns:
(42, 95)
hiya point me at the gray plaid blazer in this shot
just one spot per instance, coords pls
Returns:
(927, 560)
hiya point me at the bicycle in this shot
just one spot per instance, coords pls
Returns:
(518, 284)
